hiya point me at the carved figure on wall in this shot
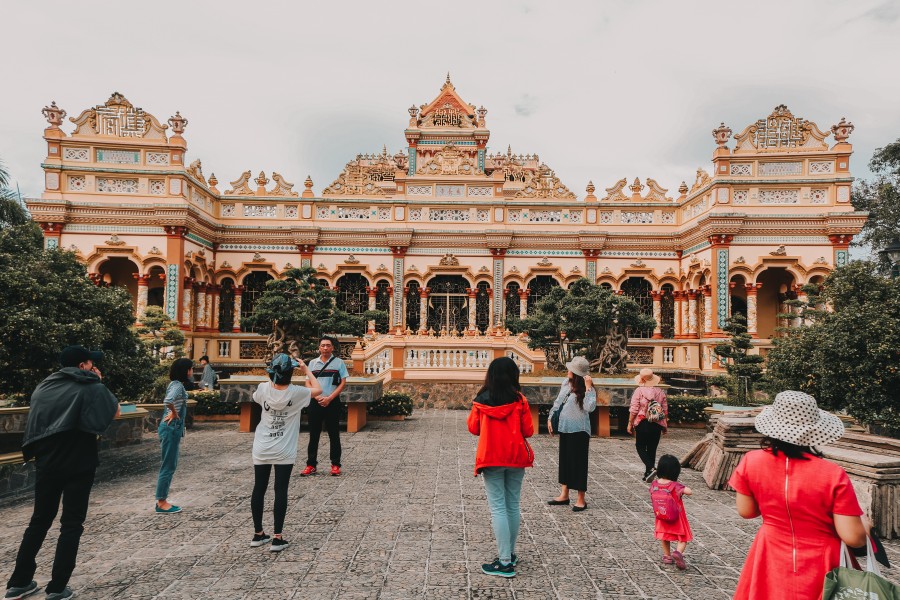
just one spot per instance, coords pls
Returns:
(614, 193)
(241, 186)
(449, 260)
(195, 169)
(282, 187)
(780, 251)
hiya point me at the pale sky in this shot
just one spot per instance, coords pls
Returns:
(600, 90)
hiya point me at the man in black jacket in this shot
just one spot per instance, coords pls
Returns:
(69, 409)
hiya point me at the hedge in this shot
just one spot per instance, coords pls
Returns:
(392, 404)
(209, 402)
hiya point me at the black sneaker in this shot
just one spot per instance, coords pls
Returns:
(495, 568)
(63, 595)
(649, 475)
(22, 591)
(515, 559)
(278, 544)
(260, 540)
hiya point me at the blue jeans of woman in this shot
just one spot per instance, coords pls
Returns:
(170, 443)
(503, 486)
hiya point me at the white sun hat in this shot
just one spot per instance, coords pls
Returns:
(580, 366)
(795, 418)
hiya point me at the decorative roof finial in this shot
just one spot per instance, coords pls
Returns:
(178, 123)
(721, 135)
(842, 130)
(683, 189)
(308, 184)
(54, 115)
(590, 191)
(448, 78)
(261, 181)
(636, 187)
(481, 112)
(212, 183)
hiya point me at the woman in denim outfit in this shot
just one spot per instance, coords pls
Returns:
(171, 430)
(578, 399)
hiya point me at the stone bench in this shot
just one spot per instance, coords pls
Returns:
(357, 395)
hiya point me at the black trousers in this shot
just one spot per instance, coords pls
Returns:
(330, 417)
(646, 438)
(49, 488)
(573, 460)
(261, 475)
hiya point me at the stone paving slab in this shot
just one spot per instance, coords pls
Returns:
(406, 520)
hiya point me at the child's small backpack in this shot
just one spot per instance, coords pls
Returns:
(664, 505)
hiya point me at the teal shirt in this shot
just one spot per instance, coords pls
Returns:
(336, 370)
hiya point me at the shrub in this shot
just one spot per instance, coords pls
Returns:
(209, 402)
(391, 404)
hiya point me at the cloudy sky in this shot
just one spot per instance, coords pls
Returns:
(600, 90)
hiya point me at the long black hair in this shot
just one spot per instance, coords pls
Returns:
(501, 382)
(181, 371)
(788, 449)
(577, 386)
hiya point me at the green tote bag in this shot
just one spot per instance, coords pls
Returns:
(847, 583)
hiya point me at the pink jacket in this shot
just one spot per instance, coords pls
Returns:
(641, 399)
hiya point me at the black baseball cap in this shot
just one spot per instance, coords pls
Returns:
(72, 356)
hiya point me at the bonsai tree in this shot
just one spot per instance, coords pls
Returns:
(744, 369)
(161, 335)
(586, 316)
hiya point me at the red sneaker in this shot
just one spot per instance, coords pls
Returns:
(335, 470)
(309, 470)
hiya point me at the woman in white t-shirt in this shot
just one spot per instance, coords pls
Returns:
(275, 442)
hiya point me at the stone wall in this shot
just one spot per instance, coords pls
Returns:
(437, 394)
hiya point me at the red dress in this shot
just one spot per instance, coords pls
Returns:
(675, 531)
(797, 543)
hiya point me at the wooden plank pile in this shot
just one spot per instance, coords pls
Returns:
(732, 437)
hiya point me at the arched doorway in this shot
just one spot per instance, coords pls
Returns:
(667, 311)
(738, 292)
(513, 302)
(352, 296)
(226, 305)
(156, 286)
(382, 303)
(120, 272)
(777, 283)
(539, 287)
(413, 306)
(638, 289)
(254, 285)
(482, 306)
(448, 304)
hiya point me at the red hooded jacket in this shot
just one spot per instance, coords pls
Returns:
(501, 432)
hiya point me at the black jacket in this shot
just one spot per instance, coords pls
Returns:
(70, 399)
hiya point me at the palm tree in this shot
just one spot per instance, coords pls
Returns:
(11, 210)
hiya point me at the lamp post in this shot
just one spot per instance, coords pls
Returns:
(892, 252)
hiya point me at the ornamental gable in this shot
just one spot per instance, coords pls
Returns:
(781, 131)
(118, 118)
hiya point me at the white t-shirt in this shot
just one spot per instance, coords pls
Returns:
(276, 437)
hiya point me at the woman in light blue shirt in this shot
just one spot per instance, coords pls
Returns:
(171, 430)
(576, 400)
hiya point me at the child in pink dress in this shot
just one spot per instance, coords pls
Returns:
(679, 530)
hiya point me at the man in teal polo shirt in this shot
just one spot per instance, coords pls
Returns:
(331, 372)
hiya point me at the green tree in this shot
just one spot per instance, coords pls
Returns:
(588, 317)
(161, 335)
(304, 310)
(881, 199)
(49, 303)
(847, 356)
(11, 210)
(744, 369)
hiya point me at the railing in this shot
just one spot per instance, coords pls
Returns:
(379, 363)
(524, 364)
(446, 358)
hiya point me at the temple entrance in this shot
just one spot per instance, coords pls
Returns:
(777, 284)
(448, 304)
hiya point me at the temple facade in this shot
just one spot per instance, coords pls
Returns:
(449, 238)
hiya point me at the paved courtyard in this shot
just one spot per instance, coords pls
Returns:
(406, 520)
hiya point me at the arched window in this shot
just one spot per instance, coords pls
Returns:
(383, 303)
(638, 289)
(226, 305)
(120, 272)
(352, 296)
(667, 311)
(540, 286)
(482, 307)
(448, 304)
(512, 300)
(254, 285)
(156, 287)
(606, 285)
(413, 304)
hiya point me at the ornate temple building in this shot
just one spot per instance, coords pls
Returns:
(448, 238)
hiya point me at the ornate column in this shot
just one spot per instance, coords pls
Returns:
(423, 309)
(590, 263)
(174, 282)
(236, 321)
(678, 297)
(707, 311)
(657, 314)
(371, 292)
(214, 306)
(472, 293)
(692, 314)
(143, 290)
(398, 310)
(752, 288)
(186, 302)
(402, 322)
(491, 322)
(306, 254)
(719, 297)
(523, 302)
(52, 233)
(497, 304)
(841, 245)
(390, 309)
(200, 315)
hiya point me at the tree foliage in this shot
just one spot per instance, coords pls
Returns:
(587, 317)
(161, 335)
(744, 369)
(49, 303)
(12, 212)
(847, 354)
(304, 310)
(881, 199)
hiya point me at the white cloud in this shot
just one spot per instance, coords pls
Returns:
(600, 90)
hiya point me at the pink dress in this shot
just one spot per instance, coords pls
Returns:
(797, 543)
(675, 531)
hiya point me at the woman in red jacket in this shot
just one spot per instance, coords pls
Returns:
(501, 418)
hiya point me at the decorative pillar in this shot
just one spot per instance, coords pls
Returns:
(200, 315)
(371, 291)
(692, 314)
(402, 323)
(523, 302)
(306, 254)
(590, 263)
(398, 315)
(657, 314)
(174, 282)
(752, 288)
(708, 310)
(214, 306)
(238, 292)
(678, 310)
(423, 309)
(142, 294)
(491, 322)
(841, 245)
(472, 293)
(719, 247)
(186, 302)
(390, 309)
(497, 304)
(52, 233)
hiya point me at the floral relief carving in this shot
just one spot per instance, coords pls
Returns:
(76, 154)
(779, 196)
(158, 187)
(77, 183)
(363, 175)
(117, 186)
(241, 185)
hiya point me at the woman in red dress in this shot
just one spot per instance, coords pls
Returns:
(807, 504)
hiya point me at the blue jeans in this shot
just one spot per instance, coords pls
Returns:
(503, 486)
(170, 444)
